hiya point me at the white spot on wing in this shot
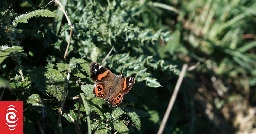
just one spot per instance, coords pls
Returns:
(129, 84)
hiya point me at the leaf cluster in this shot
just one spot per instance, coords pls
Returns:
(34, 43)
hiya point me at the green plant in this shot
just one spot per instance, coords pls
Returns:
(48, 84)
(151, 40)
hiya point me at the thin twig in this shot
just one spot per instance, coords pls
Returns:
(173, 98)
(194, 66)
(70, 34)
(249, 36)
(69, 23)
(87, 111)
(108, 54)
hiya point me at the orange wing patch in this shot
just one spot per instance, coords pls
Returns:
(124, 84)
(117, 100)
(98, 91)
(100, 76)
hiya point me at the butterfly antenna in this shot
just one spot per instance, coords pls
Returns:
(49, 3)
(108, 54)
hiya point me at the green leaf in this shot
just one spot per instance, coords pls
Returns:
(56, 84)
(117, 113)
(79, 66)
(120, 127)
(154, 116)
(135, 120)
(139, 67)
(71, 116)
(62, 67)
(4, 83)
(87, 89)
(102, 131)
(152, 82)
(37, 104)
(35, 100)
(5, 51)
(247, 47)
(37, 13)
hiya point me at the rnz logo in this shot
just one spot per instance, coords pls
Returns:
(11, 118)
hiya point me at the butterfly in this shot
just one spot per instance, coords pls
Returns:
(109, 86)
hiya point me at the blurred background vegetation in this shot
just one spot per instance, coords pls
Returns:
(151, 39)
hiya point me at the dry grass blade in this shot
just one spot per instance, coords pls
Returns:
(69, 23)
(173, 98)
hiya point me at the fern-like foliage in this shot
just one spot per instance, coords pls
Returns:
(139, 66)
(37, 13)
(46, 79)
(57, 92)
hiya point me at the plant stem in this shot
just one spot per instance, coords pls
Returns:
(87, 111)
(173, 98)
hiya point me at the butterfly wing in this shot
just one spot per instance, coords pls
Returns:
(122, 87)
(104, 80)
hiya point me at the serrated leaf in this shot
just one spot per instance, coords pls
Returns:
(79, 66)
(120, 127)
(96, 124)
(37, 104)
(87, 89)
(22, 82)
(107, 115)
(98, 101)
(62, 67)
(117, 113)
(152, 82)
(35, 100)
(79, 75)
(139, 67)
(37, 13)
(102, 131)
(55, 84)
(71, 116)
(54, 75)
(135, 120)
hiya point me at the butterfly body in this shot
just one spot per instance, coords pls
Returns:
(109, 86)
